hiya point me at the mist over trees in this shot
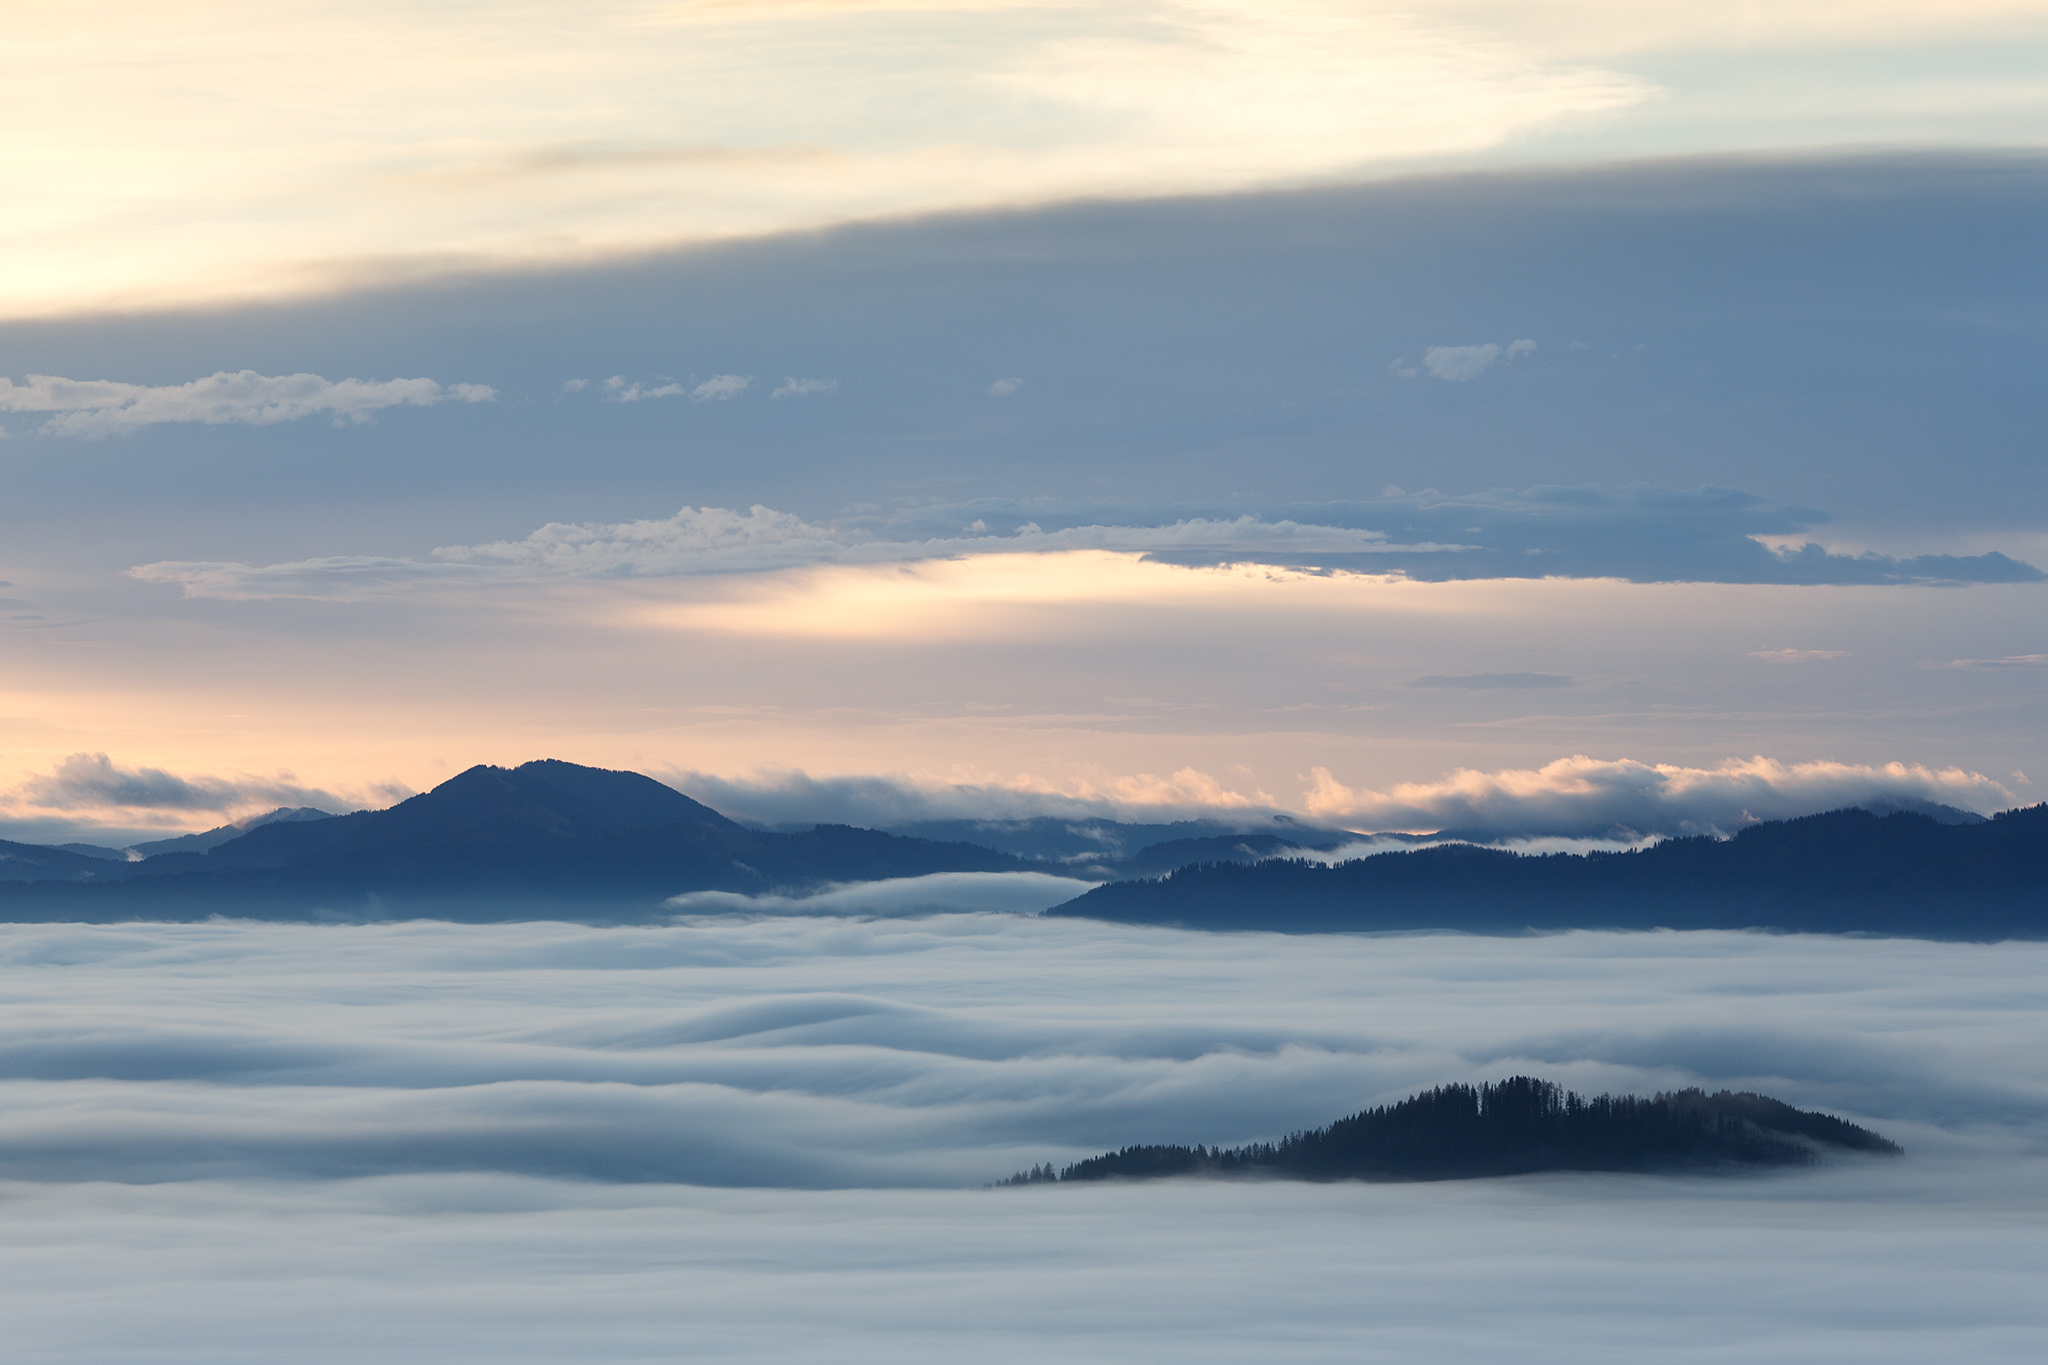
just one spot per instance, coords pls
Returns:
(1512, 1127)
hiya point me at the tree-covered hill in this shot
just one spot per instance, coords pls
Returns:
(1514, 1127)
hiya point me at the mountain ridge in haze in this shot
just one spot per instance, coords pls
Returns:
(1843, 871)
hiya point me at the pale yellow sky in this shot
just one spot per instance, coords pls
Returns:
(226, 148)
(1085, 673)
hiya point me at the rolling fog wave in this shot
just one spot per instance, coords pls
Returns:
(944, 1051)
(234, 1141)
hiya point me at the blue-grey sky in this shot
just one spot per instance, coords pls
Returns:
(1228, 478)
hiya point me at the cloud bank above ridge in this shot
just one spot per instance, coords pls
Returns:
(1621, 798)
(1574, 798)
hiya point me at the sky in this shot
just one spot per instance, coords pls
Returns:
(767, 1137)
(1354, 411)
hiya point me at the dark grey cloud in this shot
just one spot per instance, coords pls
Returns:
(1848, 333)
(96, 782)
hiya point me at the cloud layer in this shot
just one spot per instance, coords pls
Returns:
(105, 407)
(1638, 533)
(1619, 798)
(819, 1051)
(432, 1142)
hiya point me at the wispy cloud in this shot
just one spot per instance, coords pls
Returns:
(1622, 798)
(803, 388)
(105, 407)
(2008, 661)
(718, 540)
(1005, 388)
(1797, 656)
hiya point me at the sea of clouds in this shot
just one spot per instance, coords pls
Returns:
(765, 1137)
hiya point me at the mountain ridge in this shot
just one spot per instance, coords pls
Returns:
(1838, 871)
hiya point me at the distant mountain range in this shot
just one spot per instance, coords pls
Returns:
(558, 840)
(1514, 1127)
(1842, 871)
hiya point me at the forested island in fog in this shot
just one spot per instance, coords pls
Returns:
(1513, 1127)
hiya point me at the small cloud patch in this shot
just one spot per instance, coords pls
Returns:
(1796, 656)
(721, 388)
(618, 389)
(1004, 388)
(1461, 363)
(803, 388)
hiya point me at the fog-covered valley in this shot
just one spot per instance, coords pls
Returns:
(766, 1138)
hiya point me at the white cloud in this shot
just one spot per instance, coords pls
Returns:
(1581, 796)
(1014, 893)
(618, 389)
(1797, 656)
(102, 407)
(1461, 363)
(721, 387)
(803, 388)
(1004, 388)
(574, 385)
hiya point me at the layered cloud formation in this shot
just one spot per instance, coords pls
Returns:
(1638, 533)
(1572, 798)
(1586, 797)
(693, 122)
(105, 407)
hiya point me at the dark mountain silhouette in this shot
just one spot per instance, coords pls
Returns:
(213, 838)
(1515, 1127)
(1843, 871)
(1096, 847)
(41, 862)
(548, 838)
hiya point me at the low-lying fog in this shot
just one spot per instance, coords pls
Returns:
(765, 1138)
